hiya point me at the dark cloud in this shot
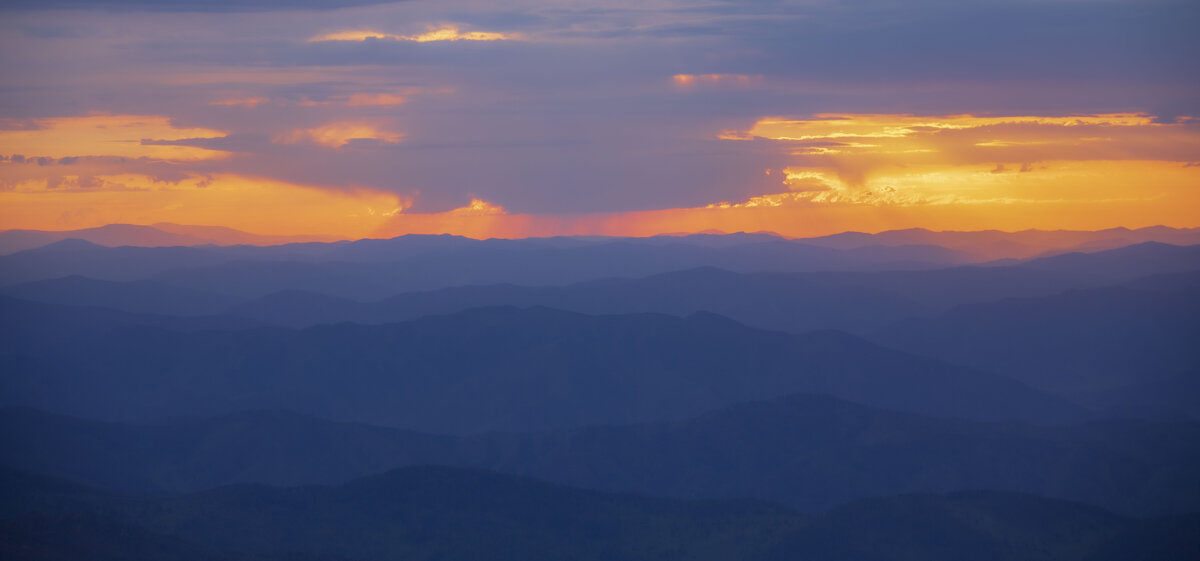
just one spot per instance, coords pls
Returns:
(994, 41)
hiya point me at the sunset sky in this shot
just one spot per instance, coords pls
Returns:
(534, 118)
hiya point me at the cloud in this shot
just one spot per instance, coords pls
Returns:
(241, 102)
(808, 181)
(855, 146)
(431, 34)
(689, 81)
(242, 142)
(478, 207)
(382, 99)
(362, 100)
(188, 5)
(332, 95)
(339, 134)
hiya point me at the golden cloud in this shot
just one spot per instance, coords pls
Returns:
(896, 160)
(432, 34)
(692, 80)
(968, 139)
(478, 207)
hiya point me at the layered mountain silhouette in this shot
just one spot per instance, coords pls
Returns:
(811, 452)
(901, 395)
(485, 369)
(796, 302)
(984, 245)
(156, 235)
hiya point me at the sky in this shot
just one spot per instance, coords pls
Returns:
(535, 118)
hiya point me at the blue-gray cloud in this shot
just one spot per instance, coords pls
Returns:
(188, 5)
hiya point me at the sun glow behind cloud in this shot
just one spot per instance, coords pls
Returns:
(1072, 202)
(908, 160)
(875, 172)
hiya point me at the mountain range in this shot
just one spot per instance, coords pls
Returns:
(454, 514)
(811, 452)
(976, 246)
(901, 395)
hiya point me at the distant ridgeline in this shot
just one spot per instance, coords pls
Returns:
(903, 395)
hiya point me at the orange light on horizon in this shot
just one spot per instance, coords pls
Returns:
(252, 205)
